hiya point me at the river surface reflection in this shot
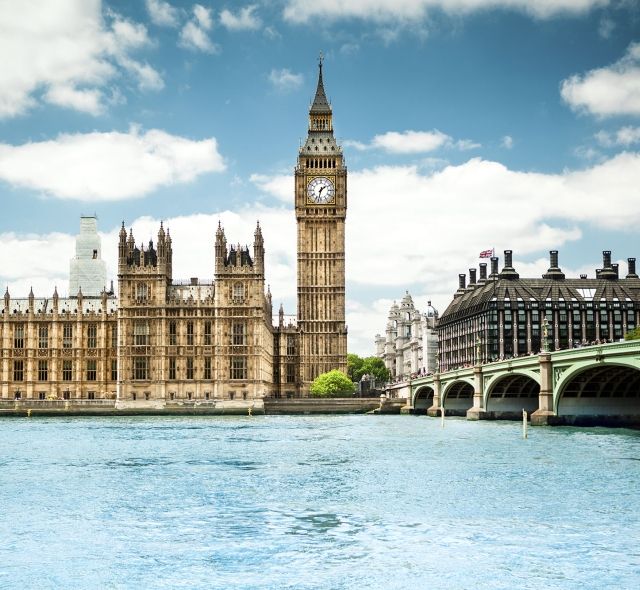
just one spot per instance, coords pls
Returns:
(352, 502)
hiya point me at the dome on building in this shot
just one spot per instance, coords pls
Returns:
(431, 312)
(407, 301)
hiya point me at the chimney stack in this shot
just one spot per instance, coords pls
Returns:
(483, 271)
(494, 267)
(508, 272)
(631, 262)
(607, 271)
(554, 271)
(472, 276)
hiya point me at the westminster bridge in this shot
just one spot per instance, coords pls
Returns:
(597, 384)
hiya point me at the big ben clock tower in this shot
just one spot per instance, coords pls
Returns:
(321, 209)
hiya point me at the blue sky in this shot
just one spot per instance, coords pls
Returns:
(466, 124)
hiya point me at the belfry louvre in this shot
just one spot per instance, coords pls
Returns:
(163, 339)
(502, 315)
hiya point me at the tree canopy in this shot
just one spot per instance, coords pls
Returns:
(371, 365)
(332, 384)
(633, 334)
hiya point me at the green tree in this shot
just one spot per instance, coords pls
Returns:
(633, 335)
(354, 366)
(371, 365)
(332, 384)
(374, 366)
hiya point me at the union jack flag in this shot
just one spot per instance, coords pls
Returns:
(486, 253)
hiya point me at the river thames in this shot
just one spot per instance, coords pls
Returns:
(332, 502)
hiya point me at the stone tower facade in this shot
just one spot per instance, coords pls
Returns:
(87, 270)
(321, 209)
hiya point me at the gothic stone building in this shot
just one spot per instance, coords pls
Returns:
(502, 315)
(168, 340)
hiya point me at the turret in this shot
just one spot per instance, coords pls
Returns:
(7, 300)
(220, 248)
(281, 316)
(162, 247)
(258, 250)
(122, 248)
(169, 256)
(31, 301)
(55, 300)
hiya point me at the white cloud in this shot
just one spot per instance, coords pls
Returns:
(285, 80)
(413, 142)
(467, 144)
(70, 50)
(625, 136)
(303, 11)
(609, 91)
(162, 13)
(280, 186)
(245, 20)
(507, 142)
(203, 16)
(410, 142)
(108, 166)
(89, 101)
(606, 27)
(194, 34)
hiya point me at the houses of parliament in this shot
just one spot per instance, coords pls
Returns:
(163, 339)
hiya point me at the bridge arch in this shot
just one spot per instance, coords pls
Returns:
(457, 397)
(599, 392)
(423, 399)
(507, 395)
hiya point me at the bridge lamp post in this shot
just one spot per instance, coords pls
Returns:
(545, 334)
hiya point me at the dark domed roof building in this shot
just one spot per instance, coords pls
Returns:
(503, 315)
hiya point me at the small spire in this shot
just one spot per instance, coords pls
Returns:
(31, 293)
(55, 292)
(320, 102)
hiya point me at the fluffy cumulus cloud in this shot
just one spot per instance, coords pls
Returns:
(244, 20)
(195, 33)
(302, 11)
(608, 91)
(162, 13)
(413, 142)
(284, 80)
(66, 53)
(279, 186)
(625, 136)
(108, 166)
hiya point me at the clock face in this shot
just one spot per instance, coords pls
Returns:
(321, 191)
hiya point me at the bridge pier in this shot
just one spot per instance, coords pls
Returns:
(541, 417)
(477, 411)
(435, 408)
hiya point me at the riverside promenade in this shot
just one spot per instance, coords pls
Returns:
(269, 406)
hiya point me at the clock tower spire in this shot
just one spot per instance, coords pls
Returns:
(321, 209)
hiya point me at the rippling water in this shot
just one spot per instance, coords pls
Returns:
(316, 502)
